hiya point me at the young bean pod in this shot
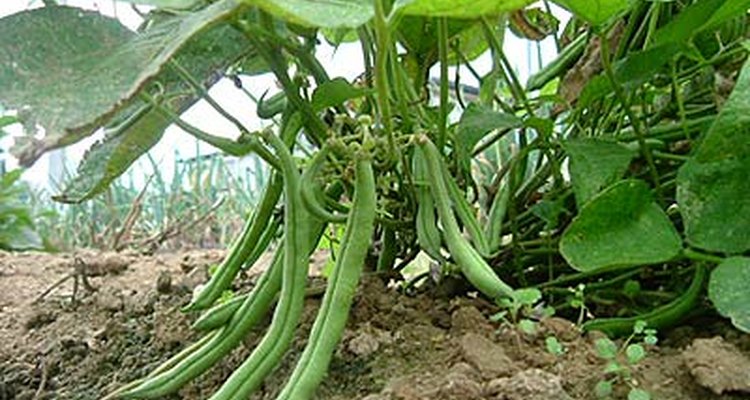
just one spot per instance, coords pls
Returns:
(428, 234)
(660, 317)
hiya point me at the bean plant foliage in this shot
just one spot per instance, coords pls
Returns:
(621, 169)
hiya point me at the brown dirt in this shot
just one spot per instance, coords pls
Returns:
(395, 346)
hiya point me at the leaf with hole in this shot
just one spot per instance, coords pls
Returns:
(622, 226)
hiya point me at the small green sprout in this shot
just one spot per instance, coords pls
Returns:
(621, 360)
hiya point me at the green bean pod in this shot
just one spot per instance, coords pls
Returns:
(241, 249)
(498, 210)
(266, 355)
(255, 306)
(308, 192)
(342, 286)
(660, 317)
(466, 214)
(428, 234)
(388, 249)
(267, 109)
(570, 54)
(218, 315)
(471, 263)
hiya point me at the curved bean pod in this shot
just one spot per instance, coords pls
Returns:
(307, 190)
(342, 285)
(660, 317)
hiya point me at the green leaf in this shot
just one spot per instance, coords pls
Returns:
(527, 326)
(710, 184)
(6, 120)
(205, 55)
(638, 394)
(594, 165)
(554, 346)
(698, 17)
(320, 13)
(167, 4)
(457, 8)
(727, 289)
(476, 122)
(635, 353)
(596, 12)
(603, 389)
(108, 159)
(527, 296)
(335, 92)
(605, 348)
(83, 68)
(621, 226)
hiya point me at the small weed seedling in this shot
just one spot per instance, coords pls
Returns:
(522, 310)
(620, 361)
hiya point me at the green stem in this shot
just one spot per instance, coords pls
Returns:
(443, 54)
(695, 255)
(185, 74)
(635, 122)
(383, 39)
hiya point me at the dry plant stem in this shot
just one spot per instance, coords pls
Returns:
(135, 211)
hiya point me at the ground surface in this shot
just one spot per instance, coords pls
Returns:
(395, 347)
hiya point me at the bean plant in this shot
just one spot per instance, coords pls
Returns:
(620, 168)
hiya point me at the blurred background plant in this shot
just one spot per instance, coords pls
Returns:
(17, 229)
(202, 206)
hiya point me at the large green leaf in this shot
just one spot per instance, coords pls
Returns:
(594, 165)
(72, 70)
(727, 289)
(204, 57)
(457, 8)
(699, 16)
(108, 159)
(712, 186)
(596, 11)
(622, 226)
(168, 4)
(320, 13)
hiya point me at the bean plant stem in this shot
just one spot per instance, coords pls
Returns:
(695, 255)
(634, 120)
(201, 91)
(383, 39)
(443, 55)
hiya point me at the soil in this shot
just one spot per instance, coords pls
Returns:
(127, 320)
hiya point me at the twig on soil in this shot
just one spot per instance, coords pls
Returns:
(43, 381)
(80, 272)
